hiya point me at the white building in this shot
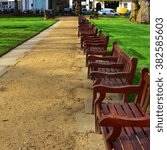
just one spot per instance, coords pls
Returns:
(9, 4)
(61, 4)
(126, 4)
(113, 4)
(88, 4)
(36, 4)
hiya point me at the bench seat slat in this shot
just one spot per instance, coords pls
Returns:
(117, 144)
(128, 132)
(147, 132)
(112, 82)
(106, 130)
(96, 48)
(129, 113)
(143, 137)
(110, 108)
(129, 136)
(106, 109)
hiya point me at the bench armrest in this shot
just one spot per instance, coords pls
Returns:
(84, 29)
(94, 44)
(121, 89)
(84, 37)
(87, 33)
(109, 58)
(97, 75)
(101, 52)
(111, 65)
(119, 121)
(103, 89)
(89, 38)
(90, 41)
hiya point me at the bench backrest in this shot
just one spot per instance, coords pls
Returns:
(104, 38)
(81, 19)
(143, 98)
(95, 30)
(86, 26)
(129, 63)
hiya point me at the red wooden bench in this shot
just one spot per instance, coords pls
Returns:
(91, 38)
(88, 32)
(82, 20)
(97, 45)
(101, 56)
(125, 126)
(114, 74)
(85, 28)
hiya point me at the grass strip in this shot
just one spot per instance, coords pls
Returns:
(16, 30)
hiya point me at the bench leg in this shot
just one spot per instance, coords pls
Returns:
(126, 98)
(78, 33)
(88, 76)
(85, 50)
(86, 60)
(82, 41)
(97, 126)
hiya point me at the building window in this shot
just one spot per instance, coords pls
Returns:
(125, 5)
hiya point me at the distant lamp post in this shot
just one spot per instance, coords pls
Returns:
(1, 5)
(32, 6)
(16, 7)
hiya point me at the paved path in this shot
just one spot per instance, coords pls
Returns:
(43, 90)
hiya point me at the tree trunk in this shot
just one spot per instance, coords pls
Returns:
(134, 10)
(16, 8)
(78, 7)
(144, 12)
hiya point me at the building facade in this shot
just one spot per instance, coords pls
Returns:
(90, 4)
(9, 4)
(36, 4)
(125, 3)
(59, 5)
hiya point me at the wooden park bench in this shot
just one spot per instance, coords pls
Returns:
(98, 45)
(82, 20)
(92, 38)
(101, 56)
(119, 73)
(87, 30)
(115, 69)
(125, 126)
(84, 27)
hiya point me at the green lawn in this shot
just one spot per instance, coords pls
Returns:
(15, 30)
(133, 38)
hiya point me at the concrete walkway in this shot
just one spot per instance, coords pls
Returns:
(45, 98)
